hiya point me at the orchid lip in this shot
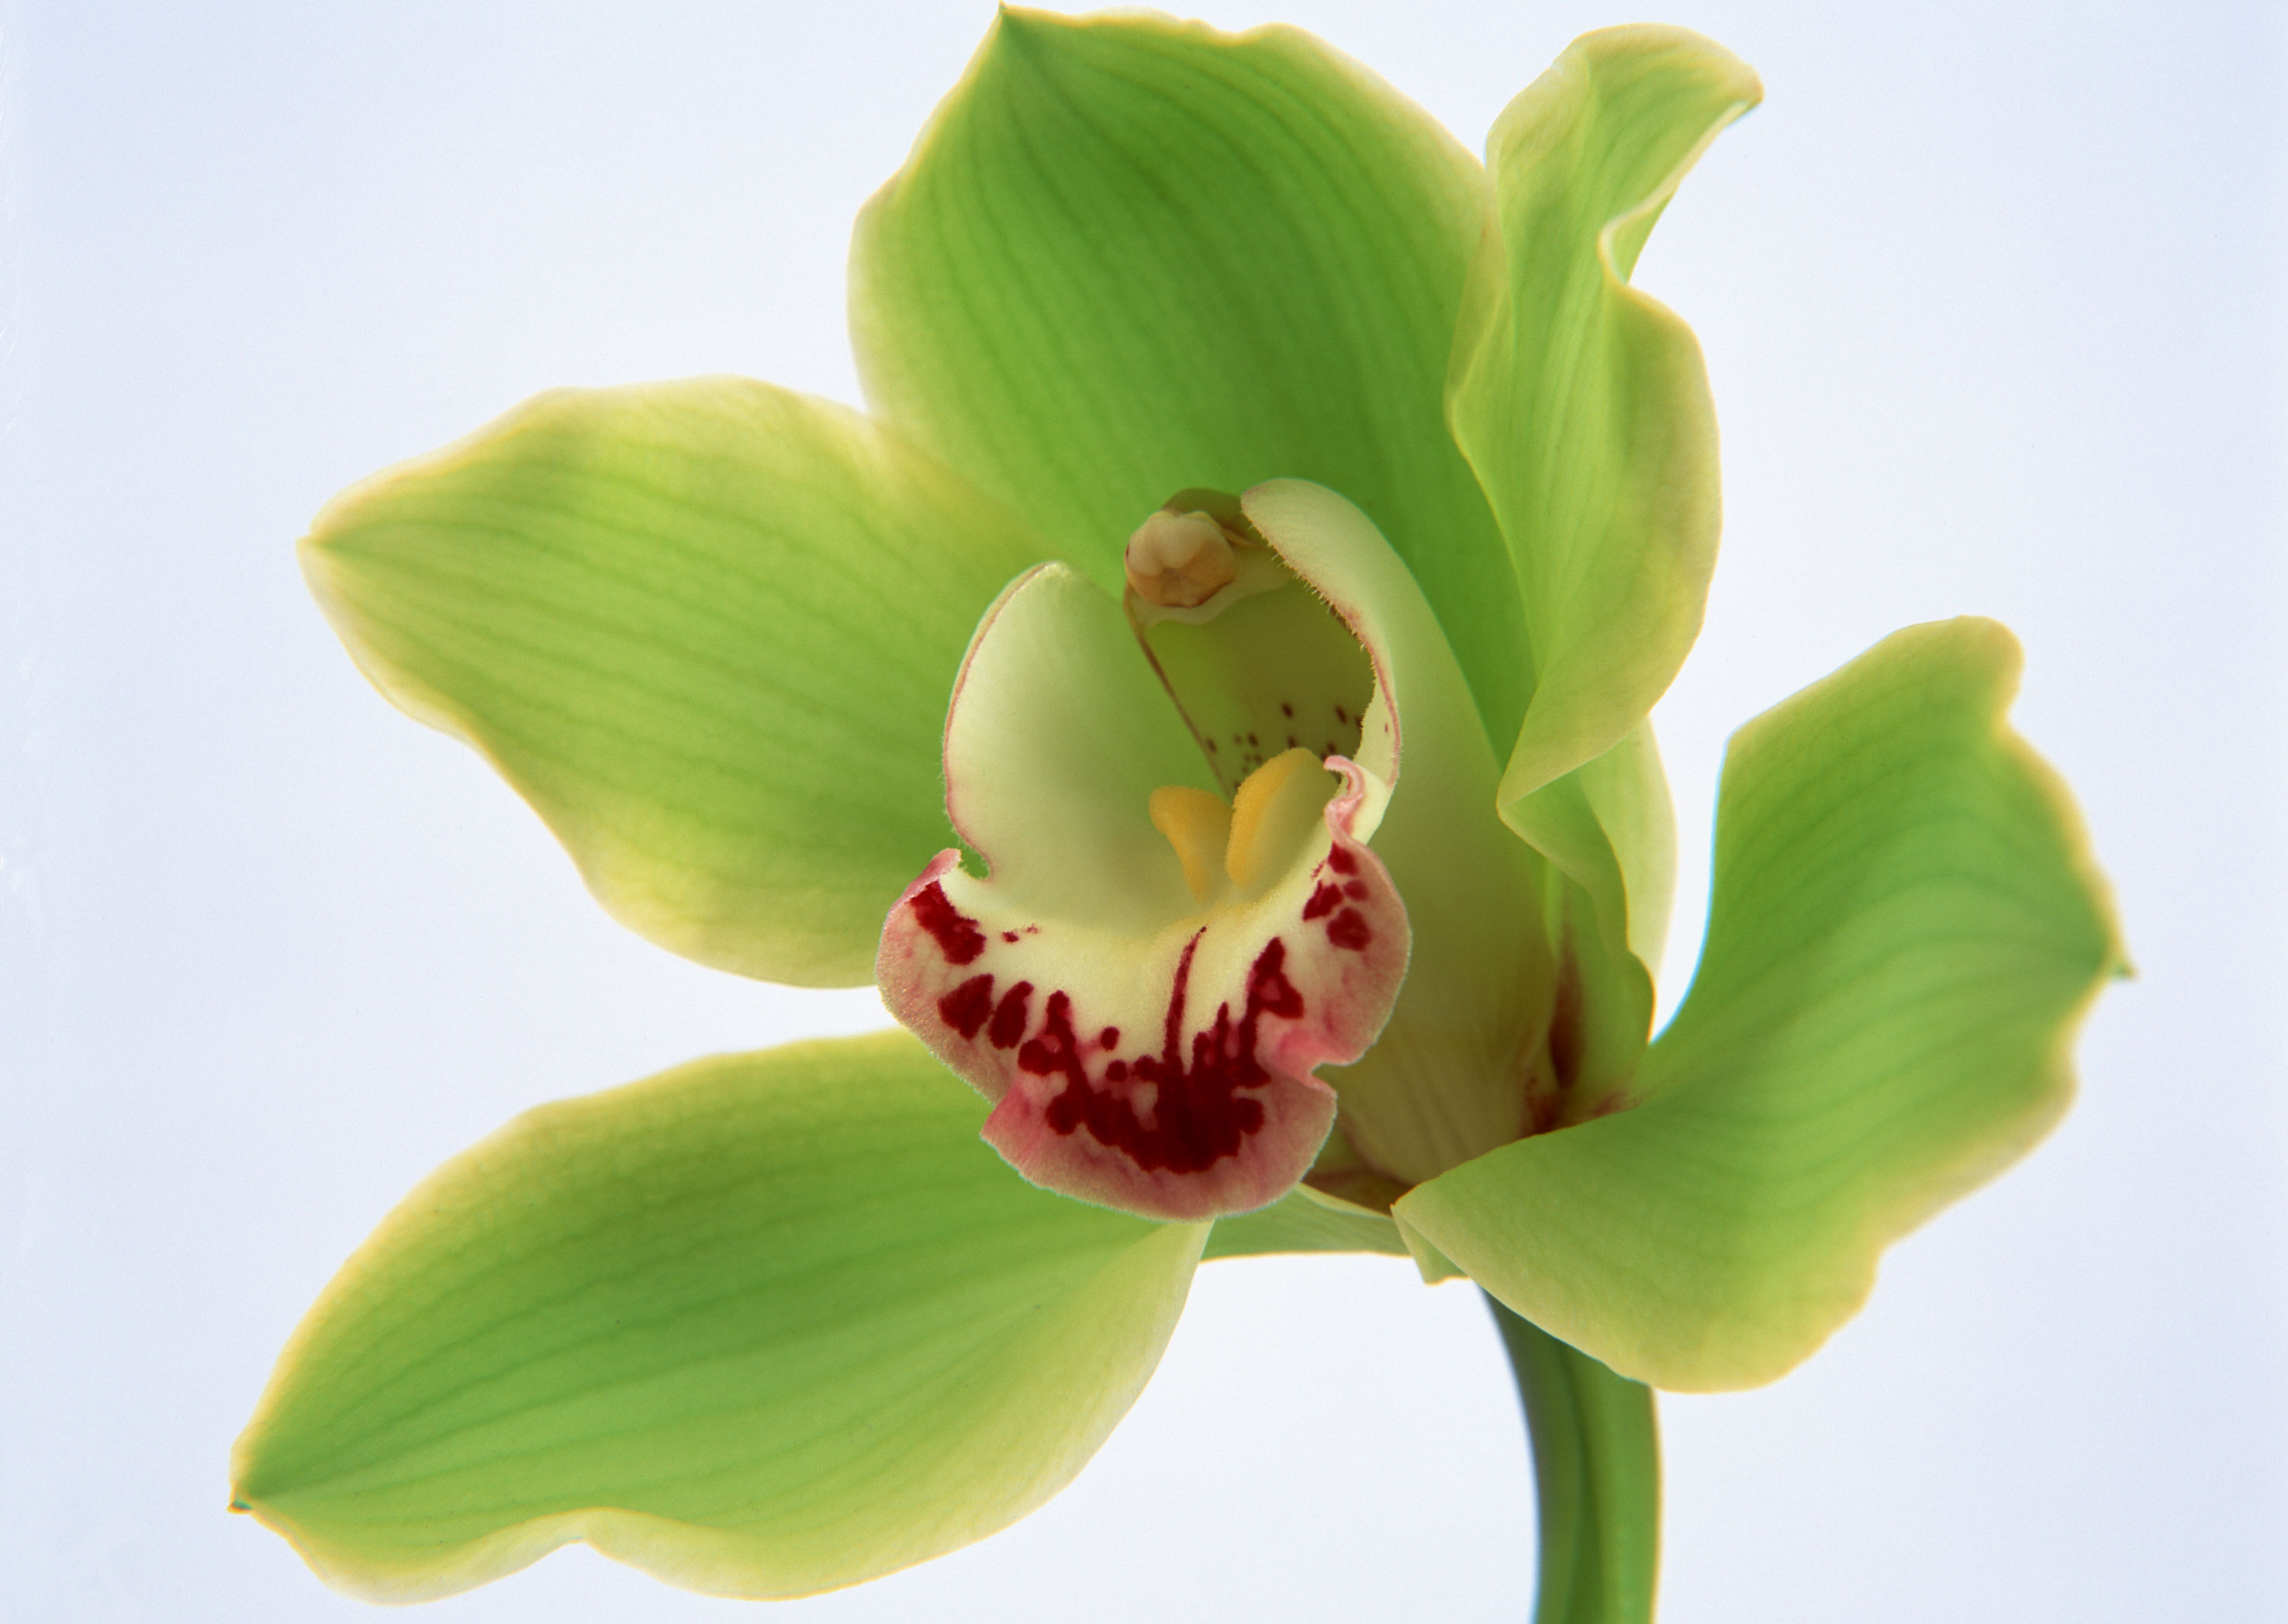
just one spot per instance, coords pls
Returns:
(1171, 938)
(1203, 1105)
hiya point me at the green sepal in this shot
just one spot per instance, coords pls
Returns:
(1584, 409)
(763, 1325)
(1611, 829)
(1905, 931)
(1582, 403)
(1132, 255)
(1303, 1220)
(707, 629)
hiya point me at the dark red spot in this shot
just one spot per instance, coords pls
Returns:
(1269, 991)
(1355, 890)
(1286, 709)
(1324, 901)
(1342, 861)
(1349, 930)
(1009, 1018)
(965, 1008)
(1109, 1038)
(1342, 716)
(1291, 741)
(1032, 929)
(955, 933)
(1198, 1116)
(1008, 935)
(1212, 746)
(1251, 739)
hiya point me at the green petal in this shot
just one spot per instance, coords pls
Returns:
(1303, 1220)
(1905, 930)
(1582, 403)
(1458, 1067)
(1627, 793)
(1132, 255)
(762, 1325)
(1606, 999)
(1610, 828)
(707, 629)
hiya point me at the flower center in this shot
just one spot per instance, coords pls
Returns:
(1179, 919)
(1179, 560)
(1249, 843)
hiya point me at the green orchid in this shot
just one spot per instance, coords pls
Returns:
(1208, 696)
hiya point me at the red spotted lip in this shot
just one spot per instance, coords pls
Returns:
(1220, 1115)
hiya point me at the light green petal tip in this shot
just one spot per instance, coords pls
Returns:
(1906, 930)
(763, 1325)
(1581, 403)
(707, 629)
(1132, 255)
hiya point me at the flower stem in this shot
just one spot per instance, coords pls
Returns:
(1596, 1469)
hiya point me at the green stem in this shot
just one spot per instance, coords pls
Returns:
(1596, 1471)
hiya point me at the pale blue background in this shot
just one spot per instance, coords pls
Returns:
(1992, 297)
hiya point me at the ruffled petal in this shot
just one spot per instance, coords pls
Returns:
(1906, 930)
(1582, 404)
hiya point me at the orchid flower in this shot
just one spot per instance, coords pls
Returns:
(1208, 696)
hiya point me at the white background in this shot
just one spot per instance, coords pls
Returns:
(1991, 298)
